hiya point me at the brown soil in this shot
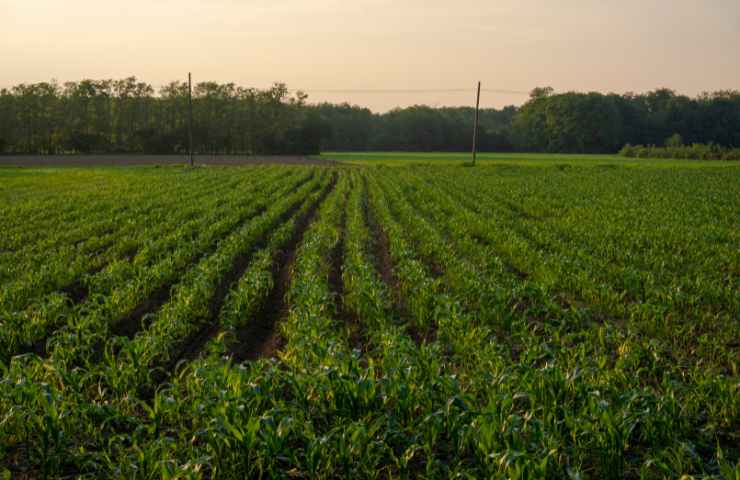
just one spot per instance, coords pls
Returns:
(134, 159)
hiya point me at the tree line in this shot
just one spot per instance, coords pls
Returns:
(548, 122)
(418, 128)
(599, 123)
(128, 116)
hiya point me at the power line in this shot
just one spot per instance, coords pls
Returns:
(409, 90)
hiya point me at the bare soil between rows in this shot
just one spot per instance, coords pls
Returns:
(128, 160)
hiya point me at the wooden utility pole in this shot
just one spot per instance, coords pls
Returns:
(475, 124)
(190, 118)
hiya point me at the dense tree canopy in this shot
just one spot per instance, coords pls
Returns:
(594, 122)
(124, 116)
(548, 122)
(416, 128)
(121, 116)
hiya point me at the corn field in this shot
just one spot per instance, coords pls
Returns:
(369, 322)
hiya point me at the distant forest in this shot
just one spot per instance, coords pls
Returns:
(128, 116)
(547, 122)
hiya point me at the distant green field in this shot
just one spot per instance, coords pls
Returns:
(529, 159)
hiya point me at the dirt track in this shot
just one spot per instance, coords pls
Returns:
(114, 160)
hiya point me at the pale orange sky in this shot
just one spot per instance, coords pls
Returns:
(619, 45)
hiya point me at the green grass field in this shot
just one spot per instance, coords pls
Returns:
(527, 159)
(345, 321)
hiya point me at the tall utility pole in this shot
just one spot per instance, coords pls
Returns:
(190, 118)
(475, 124)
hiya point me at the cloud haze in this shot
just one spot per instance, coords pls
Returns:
(380, 44)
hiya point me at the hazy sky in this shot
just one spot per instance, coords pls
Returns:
(604, 45)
